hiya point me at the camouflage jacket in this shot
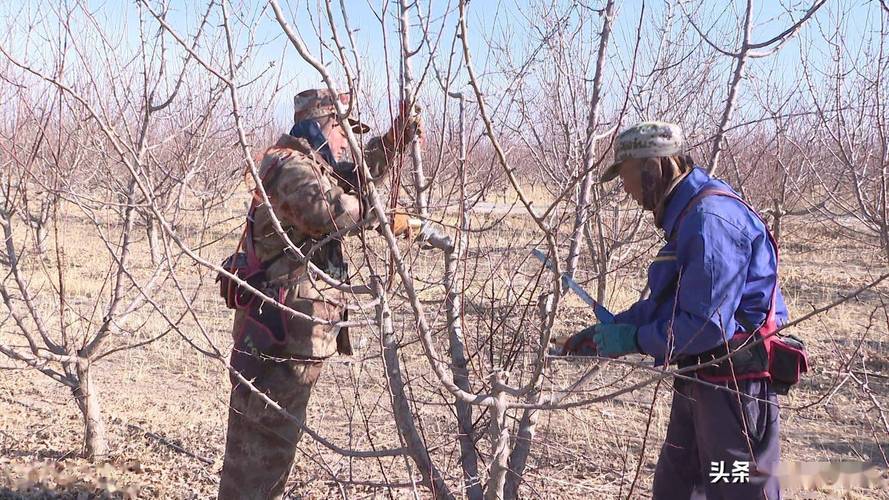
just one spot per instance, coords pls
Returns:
(310, 204)
(308, 200)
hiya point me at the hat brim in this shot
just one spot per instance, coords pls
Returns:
(611, 173)
(358, 127)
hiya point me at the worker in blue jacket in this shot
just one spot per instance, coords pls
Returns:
(716, 278)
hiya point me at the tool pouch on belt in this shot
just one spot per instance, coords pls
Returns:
(235, 295)
(780, 358)
(787, 361)
(752, 362)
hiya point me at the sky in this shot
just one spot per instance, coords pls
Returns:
(509, 23)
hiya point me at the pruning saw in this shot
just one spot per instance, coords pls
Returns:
(602, 314)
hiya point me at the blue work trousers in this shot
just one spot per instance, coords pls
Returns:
(721, 444)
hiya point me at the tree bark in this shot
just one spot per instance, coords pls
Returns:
(408, 95)
(499, 440)
(40, 238)
(518, 459)
(404, 418)
(457, 347)
(589, 154)
(86, 394)
(153, 244)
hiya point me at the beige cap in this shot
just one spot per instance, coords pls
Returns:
(645, 140)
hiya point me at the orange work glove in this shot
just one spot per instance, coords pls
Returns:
(401, 225)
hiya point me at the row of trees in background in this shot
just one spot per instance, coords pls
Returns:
(144, 141)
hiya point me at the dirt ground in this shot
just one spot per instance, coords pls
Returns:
(165, 407)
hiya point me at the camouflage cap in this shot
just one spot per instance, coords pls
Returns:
(645, 140)
(317, 103)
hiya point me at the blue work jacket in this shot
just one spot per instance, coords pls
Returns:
(713, 277)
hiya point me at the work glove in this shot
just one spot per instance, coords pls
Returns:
(431, 237)
(416, 230)
(401, 225)
(609, 340)
(581, 343)
(408, 125)
(615, 339)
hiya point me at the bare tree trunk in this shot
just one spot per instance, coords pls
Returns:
(457, 347)
(466, 433)
(778, 215)
(716, 147)
(518, 459)
(746, 52)
(778, 200)
(601, 252)
(86, 394)
(408, 94)
(153, 243)
(884, 148)
(583, 197)
(580, 216)
(404, 419)
(499, 439)
(40, 239)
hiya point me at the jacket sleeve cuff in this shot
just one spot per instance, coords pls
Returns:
(650, 341)
(625, 317)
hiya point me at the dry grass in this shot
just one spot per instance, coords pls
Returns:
(167, 395)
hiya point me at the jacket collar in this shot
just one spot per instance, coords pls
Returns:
(286, 141)
(310, 131)
(681, 196)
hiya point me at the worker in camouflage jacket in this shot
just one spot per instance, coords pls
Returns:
(316, 193)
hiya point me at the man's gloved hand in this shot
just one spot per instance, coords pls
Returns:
(615, 340)
(581, 343)
(401, 225)
(431, 237)
(408, 125)
(610, 340)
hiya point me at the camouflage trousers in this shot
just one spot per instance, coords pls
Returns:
(261, 442)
